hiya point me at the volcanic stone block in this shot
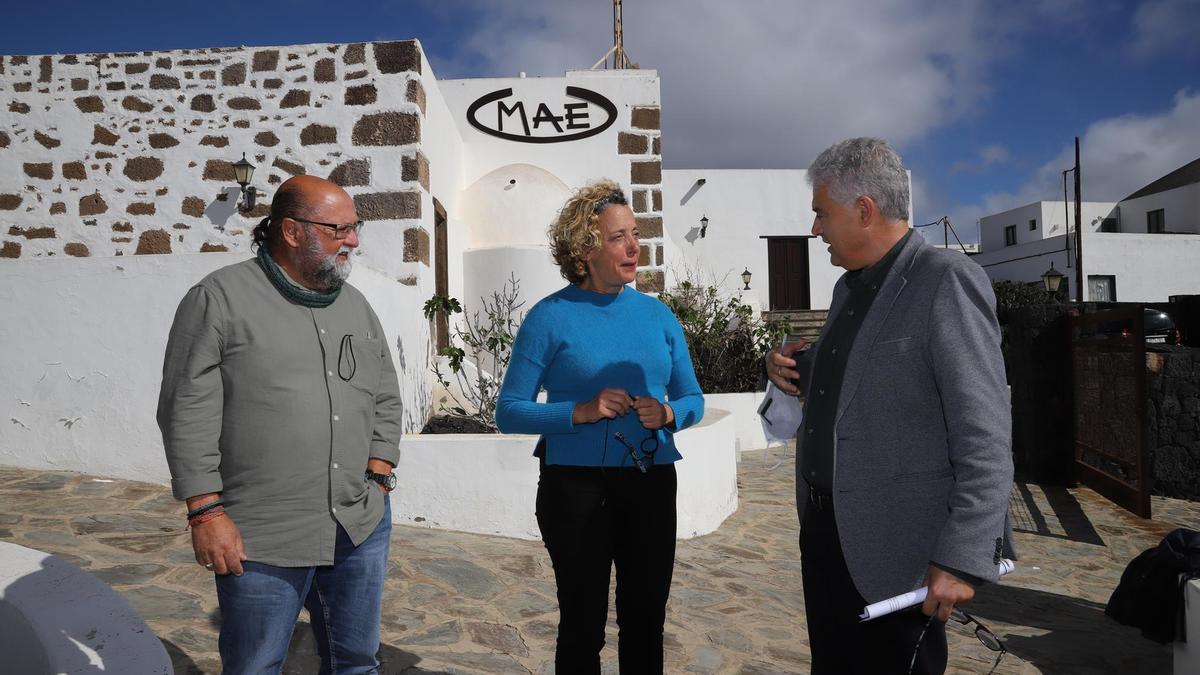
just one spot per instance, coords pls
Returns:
(203, 103)
(266, 139)
(657, 148)
(160, 81)
(244, 103)
(48, 142)
(115, 86)
(295, 98)
(355, 53)
(74, 171)
(632, 144)
(272, 83)
(645, 118)
(318, 134)
(45, 69)
(642, 173)
(136, 104)
(233, 75)
(218, 170)
(215, 141)
(102, 136)
(267, 59)
(77, 250)
(639, 201)
(10, 249)
(79, 83)
(290, 167)
(43, 170)
(212, 248)
(415, 168)
(135, 68)
(324, 71)
(32, 232)
(140, 209)
(18, 107)
(193, 206)
(658, 201)
(397, 57)
(90, 104)
(388, 205)
(143, 169)
(415, 93)
(649, 227)
(389, 128)
(160, 141)
(163, 62)
(58, 208)
(23, 86)
(92, 205)
(153, 242)
(10, 202)
(352, 172)
(650, 281)
(416, 246)
(363, 94)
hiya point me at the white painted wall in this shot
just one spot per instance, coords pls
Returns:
(1148, 267)
(487, 483)
(743, 408)
(1181, 210)
(1050, 218)
(83, 363)
(57, 618)
(443, 145)
(1028, 262)
(490, 268)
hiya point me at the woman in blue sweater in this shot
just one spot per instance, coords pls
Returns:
(619, 384)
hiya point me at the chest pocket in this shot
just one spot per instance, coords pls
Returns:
(360, 363)
(891, 348)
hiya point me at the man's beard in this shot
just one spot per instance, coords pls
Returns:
(325, 272)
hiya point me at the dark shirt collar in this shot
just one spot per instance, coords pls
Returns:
(875, 274)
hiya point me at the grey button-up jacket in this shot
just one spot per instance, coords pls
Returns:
(278, 407)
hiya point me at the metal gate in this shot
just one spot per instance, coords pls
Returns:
(1108, 352)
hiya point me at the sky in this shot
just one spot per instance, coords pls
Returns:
(982, 98)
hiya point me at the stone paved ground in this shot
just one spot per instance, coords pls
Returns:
(461, 603)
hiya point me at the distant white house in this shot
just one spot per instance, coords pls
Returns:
(1143, 248)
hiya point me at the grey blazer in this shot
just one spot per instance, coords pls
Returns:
(922, 439)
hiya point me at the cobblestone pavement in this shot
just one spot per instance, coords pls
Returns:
(462, 603)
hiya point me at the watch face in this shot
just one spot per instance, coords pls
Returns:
(389, 482)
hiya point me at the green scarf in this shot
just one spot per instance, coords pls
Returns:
(298, 295)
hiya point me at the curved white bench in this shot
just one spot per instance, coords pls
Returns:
(57, 618)
(487, 483)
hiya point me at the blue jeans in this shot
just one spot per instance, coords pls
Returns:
(259, 609)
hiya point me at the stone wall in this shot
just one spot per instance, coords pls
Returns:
(131, 153)
(1173, 412)
(644, 146)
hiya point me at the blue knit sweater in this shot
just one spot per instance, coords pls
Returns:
(573, 344)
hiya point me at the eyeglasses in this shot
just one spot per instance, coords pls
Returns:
(982, 633)
(644, 459)
(339, 231)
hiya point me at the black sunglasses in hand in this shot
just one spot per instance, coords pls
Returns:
(644, 458)
(982, 633)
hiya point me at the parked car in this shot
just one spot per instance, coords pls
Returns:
(1160, 328)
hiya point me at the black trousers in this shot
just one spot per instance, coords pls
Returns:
(591, 518)
(839, 642)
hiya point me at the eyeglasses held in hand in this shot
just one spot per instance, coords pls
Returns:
(339, 231)
(982, 633)
(643, 458)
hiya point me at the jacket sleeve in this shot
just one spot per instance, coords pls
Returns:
(389, 409)
(968, 369)
(517, 409)
(191, 400)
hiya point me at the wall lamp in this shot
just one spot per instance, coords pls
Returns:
(243, 173)
(746, 278)
(1052, 279)
(703, 226)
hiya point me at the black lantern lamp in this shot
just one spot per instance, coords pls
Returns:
(1052, 279)
(703, 226)
(746, 278)
(243, 173)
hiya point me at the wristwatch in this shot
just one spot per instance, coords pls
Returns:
(387, 480)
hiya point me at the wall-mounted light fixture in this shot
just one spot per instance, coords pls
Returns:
(701, 181)
(703, 226)
(746, 278)
(243, 173)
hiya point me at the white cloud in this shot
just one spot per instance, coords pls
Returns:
(1166, 27)
(988, 155)
(769, 83)
(1119, 155)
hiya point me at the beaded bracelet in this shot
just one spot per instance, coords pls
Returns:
(205, 517)
(204, 509)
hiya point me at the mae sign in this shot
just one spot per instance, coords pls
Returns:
(585, 113)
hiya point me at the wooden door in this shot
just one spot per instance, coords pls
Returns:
(787, 272)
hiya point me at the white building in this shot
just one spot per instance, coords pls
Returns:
(1141, 249)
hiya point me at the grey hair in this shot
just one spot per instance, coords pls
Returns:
(863, 167)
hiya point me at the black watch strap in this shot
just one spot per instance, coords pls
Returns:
(387, 480)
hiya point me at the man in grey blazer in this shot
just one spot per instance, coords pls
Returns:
(905, 466)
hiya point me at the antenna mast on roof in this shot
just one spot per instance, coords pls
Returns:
(620, 58)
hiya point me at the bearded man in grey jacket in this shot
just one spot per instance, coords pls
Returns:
(905, 466)
(281, 417)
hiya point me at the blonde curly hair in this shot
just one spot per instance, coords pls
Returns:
(576, 231)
